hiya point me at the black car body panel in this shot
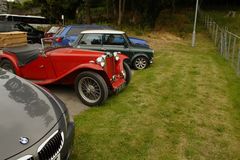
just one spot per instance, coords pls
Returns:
(29, 111)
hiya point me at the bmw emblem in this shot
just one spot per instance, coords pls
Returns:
(23, 140)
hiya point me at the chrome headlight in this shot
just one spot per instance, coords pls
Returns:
(101, 60)
(116, 56)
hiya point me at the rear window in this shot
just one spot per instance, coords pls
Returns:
(113, 39)
(74, 31)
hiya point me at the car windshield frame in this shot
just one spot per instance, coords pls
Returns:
(127, 39)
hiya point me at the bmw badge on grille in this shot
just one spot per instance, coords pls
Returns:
(23, 140)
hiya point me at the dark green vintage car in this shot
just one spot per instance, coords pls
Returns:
(140, 56)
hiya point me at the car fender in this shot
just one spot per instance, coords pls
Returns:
(69, 77)
(13, 59)
(123, 57)
(90, 67)
(137, 55)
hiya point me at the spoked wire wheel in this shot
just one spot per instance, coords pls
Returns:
(91, 88)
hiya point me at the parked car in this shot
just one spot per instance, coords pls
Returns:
(52, 31)
(70, 33)
(115, 41)
(35, 125)
(33, 35)
(94, 74)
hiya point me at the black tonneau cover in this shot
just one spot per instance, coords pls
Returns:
(25, 54)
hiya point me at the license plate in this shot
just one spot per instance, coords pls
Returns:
(121, 87)
(58, 157)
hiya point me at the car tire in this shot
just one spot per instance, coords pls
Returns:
(128, 73)
(91, 88)
(140, 63)
(7, 65)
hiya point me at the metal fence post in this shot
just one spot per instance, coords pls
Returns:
(233, 50)
(238, 64)
(204, 20)
(229, 45)
(207, 22)
(216, 34)
(225, 44)
(213, 30)
(210, 26)
(221, 43)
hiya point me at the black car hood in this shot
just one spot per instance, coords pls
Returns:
(25, 111)
(140, 46)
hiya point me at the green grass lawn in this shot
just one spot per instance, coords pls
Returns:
(185, 106)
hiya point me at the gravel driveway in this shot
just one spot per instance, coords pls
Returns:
(69, 97)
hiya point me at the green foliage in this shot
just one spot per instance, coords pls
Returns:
(53, 9)
(180, 22)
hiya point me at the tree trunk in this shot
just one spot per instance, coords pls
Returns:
(173, 6)
(123, 7)
(114, 8)
(88, 12)
(107, 6)
(120, 13)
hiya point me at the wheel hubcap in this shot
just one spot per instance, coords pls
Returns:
(141, 63)
(89, 89)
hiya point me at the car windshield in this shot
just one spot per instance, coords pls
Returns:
(54, 30)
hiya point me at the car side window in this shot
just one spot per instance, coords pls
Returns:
(113, 39)
(91, 39)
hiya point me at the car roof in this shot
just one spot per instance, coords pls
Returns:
(103, 31)
(89, 25)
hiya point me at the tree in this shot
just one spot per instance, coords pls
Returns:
(121, 10)
(88, 11)
(53, 9)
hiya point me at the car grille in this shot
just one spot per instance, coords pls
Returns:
(51, 147)
(111, 65)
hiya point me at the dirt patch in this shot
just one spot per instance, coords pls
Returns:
(157, 39)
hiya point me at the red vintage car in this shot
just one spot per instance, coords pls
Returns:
(94, 74)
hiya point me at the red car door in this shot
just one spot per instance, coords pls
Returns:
(36, 69)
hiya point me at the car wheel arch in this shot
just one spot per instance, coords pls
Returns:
(100, 72)
(14, 65)
(139, 55)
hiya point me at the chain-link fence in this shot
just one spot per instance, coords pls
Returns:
(227, 42)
